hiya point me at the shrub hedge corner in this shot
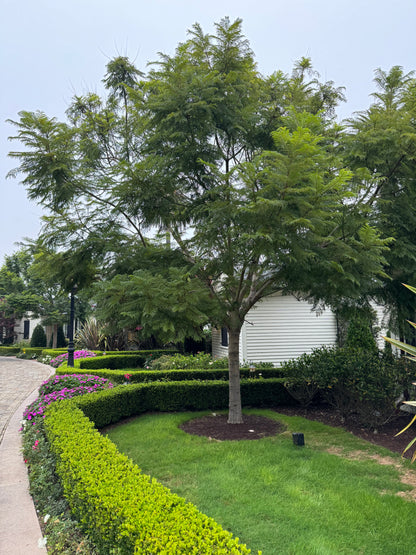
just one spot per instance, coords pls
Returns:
(117, 504)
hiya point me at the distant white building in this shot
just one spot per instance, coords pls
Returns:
(281, 327)
(23, 328)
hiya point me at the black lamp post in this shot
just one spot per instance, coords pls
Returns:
(71, 348)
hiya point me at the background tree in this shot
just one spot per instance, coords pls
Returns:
(20, 293)
(28, 286)
(382, 144)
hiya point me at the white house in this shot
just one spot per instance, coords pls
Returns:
(281, 327)
(24, 327)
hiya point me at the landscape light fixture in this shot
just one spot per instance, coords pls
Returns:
(298, 439)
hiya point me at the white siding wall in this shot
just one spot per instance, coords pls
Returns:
(218, 351)
(280, 328)
(382, 323)
(19, 327)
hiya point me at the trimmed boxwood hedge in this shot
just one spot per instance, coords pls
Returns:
(54, 352)
(127, 359)
(118, 505)
(145, 353)
(140, 376)
(113, 362)
(154, 353)
(113, 501)
(112, 405)
(9, 351)
(30, 352)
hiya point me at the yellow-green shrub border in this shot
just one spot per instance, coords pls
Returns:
(117, 504)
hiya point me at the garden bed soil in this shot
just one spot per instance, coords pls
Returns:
(255, 427)
(384, 436)
(215, 426)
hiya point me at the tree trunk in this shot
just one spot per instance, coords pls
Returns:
(235, 412)
(49, 333)
(55, 336)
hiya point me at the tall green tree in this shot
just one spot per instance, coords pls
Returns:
(20, 291)
(240, 170)
(77, 169)
(37, 284)
(251, 221)
(382, 144)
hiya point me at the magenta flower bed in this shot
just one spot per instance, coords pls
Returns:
(55, 362)
(69, 381)
(63, 387)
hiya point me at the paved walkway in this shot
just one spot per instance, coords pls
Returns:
(19, 526)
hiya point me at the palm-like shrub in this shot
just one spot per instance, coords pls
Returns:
(90, 335)
(411, 351)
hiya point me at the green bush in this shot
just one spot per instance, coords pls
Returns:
(118, 506)
(145, 352)
(179, 361)
(360, 384)
(123, 359)
(359, 335)
(52, 353)
(303, 375)
(6, 351)
(140, 376)
(122, 402)
(38, 338)
(114, 362)
(30, 352)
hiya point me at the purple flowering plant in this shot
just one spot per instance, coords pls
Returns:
(57, 361)
(58, 388)
(45, 486)
(68, 381)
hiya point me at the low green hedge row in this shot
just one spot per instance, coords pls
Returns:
(140, 376)
(38, 351)
(113, 362)
(112, 405)
(154, 353)
(32, 350)
(56, 352)
(7, 351)
(128, 359)
(118, 505)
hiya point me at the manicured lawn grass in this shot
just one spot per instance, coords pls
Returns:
(275, 496)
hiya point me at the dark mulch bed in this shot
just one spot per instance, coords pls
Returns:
(257, 427)
(383, 436)
(215, 426)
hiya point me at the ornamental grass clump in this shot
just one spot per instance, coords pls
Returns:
(57, 361)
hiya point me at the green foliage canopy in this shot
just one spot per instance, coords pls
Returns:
(240, 170)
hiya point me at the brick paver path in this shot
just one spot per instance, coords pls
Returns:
(19, 526)
(18, 378)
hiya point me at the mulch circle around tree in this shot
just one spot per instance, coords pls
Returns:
(215, 426)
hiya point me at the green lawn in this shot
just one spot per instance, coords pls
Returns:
(277, 497)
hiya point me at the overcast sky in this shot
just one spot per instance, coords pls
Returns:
(53, 49)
